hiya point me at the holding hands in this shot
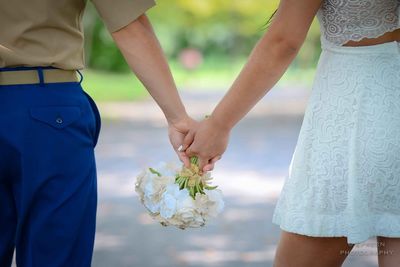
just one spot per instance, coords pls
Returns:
(207, 140)
(177, 131)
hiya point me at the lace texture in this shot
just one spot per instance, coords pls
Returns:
(352, 20)
(344, 177)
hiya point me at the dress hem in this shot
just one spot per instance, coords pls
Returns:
(309, 228)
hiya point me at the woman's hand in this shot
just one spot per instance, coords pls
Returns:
(208, 142)
(177, 130)
(267, 63)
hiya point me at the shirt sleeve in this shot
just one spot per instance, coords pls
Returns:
(116, 14)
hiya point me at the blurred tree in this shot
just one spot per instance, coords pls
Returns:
(100, 50)
(226, 29)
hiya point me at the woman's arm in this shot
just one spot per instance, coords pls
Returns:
(143, 53)
(267, 63)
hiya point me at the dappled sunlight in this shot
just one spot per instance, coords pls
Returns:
(205, 46)
(237, 215)
(107, 241)
(214, 257)
(251, 176)
(145, 219)
(200, 103)
(117, 185)
(249, 187)
(216, 241)
(119, 150)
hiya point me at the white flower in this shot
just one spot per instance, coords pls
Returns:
(169, 205)
(178, 208)
(168, 169)
(217, 204)
(151, 204)
(141, 181)
(150, 187)
(210, 204)
(190, 218)
(201, 203)
(171, 200)
(157, 185)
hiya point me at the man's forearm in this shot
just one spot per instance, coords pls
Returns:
(143, 53)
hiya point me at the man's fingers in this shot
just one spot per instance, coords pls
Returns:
(187, 141)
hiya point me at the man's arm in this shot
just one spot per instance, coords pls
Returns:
(143, 53)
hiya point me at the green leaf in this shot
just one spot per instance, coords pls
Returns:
(182, 183)
(210, 187)
(191, 192)
(199, 188)
(153, 171)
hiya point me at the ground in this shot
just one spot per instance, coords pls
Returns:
(250, 174)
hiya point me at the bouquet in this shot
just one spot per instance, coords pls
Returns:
(179, 197)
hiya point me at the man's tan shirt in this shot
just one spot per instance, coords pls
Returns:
(50, 32)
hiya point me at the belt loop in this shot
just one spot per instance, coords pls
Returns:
(80, 75)
(41, 76)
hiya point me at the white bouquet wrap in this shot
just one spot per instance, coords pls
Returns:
(182, 198)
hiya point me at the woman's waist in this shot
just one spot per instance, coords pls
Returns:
(391, 47)
(384, 38)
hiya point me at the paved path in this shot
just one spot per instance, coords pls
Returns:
(251, 175)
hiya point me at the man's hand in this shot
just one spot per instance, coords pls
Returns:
(177, 132)
(208, 142)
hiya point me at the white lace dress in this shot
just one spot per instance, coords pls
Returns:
(344, 177)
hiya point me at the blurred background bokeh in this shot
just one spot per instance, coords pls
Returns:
(206, 42)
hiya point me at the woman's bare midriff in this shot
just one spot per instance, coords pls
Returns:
(385, 38)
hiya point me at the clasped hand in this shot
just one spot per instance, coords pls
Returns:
(207, 140)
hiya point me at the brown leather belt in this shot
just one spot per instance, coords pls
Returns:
(32, 76)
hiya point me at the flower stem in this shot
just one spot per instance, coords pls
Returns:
(194, 160)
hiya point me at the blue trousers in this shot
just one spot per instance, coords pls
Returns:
(48, 188)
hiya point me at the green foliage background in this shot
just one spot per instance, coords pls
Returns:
(224, 31)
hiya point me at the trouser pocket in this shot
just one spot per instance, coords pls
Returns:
(97, 116)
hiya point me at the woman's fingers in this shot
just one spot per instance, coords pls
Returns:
(215, 159)
(202, 162)
(207, 143)
(191, 151)
(211, 164)
(184, 158)
(208, 167)
(206, 163)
